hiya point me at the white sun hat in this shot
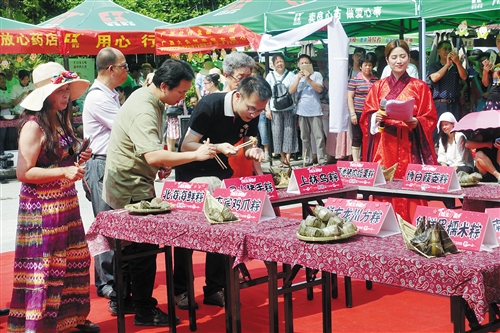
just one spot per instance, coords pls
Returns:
(447, 116)
(49, 77)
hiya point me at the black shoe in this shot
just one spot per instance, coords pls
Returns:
(113, 308)
(88, 326)
(107, 292)
(182, 301)
(215, 299)
(4, 312)
(156, 317)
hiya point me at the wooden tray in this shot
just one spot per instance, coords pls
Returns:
(325, 239)
(133, 208)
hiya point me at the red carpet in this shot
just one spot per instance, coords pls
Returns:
(383, 309)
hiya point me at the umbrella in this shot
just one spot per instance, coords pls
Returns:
(478, 120)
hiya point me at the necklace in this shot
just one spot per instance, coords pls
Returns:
(71, 152)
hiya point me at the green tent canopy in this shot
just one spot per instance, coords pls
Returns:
(96, 24)
(357, 13)
(18, 37)
(250, 14)
(8, 24)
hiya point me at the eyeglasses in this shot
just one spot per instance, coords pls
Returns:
(125, 66)
(237, 79)
(252, 109)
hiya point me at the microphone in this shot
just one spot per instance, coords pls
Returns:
(383, 103)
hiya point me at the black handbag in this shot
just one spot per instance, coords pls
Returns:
(174, 111)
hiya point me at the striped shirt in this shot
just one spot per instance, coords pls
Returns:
(361, 87)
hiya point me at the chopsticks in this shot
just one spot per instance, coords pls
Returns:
(217, 158)
(251, 141)
(222, 165)
(84, 181)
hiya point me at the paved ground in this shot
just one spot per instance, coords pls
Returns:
(9, 203)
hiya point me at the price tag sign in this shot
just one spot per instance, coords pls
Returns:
(372, 218)
(314, 179)
(257, 183)
(494, 214)
(435, 178)
(188, 196)
(360, 173)
(251, 206)
(471, 231)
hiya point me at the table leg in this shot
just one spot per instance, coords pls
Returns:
(272, 287)
(326, 301)
(170, 289)
(190, 292)
(310, 276)
(369, 285)
(348, 291)
(458, 314)
(118, 276)
(335, 286)
(232, 295)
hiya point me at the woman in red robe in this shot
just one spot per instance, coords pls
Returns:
(401, 142)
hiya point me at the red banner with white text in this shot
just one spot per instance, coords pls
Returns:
(204, 39)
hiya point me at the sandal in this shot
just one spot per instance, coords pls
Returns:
(283, 164)
(88, 326)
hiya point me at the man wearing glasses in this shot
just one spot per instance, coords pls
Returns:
(99, 111)
(223, 119)
(134, 75)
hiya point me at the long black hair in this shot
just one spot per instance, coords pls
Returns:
(49, 125)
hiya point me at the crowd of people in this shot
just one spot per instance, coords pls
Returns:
(124, 115)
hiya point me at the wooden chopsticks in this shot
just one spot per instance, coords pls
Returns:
(217, 158)
(251, 141)
(222, 165)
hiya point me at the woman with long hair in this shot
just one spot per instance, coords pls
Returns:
(398, 141)
(211, 84)
(452, 150)
(51, 272)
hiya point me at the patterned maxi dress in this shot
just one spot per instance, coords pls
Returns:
(51, 266)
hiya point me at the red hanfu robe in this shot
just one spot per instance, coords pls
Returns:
(398, 143)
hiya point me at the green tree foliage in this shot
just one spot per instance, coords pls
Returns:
(171, 11)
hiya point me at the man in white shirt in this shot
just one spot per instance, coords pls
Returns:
(99, 111)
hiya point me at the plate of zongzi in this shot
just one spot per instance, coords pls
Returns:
(215, 212)
(155, 206)
(466, 179)
(325, 226)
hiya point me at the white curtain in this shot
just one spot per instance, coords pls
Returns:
(338, 52)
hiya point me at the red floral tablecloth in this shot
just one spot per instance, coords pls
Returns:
(178, 228)
(475, 198)
(473, 275)
(9, 123)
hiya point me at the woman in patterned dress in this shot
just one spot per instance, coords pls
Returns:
(51, 267)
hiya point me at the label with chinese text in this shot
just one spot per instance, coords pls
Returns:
(314, 179)
(372, 218)
(435, 178)
(188, 196)
(471, 231)
(494, 214)
(256, 183)
(361, 173)
(251, 206)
